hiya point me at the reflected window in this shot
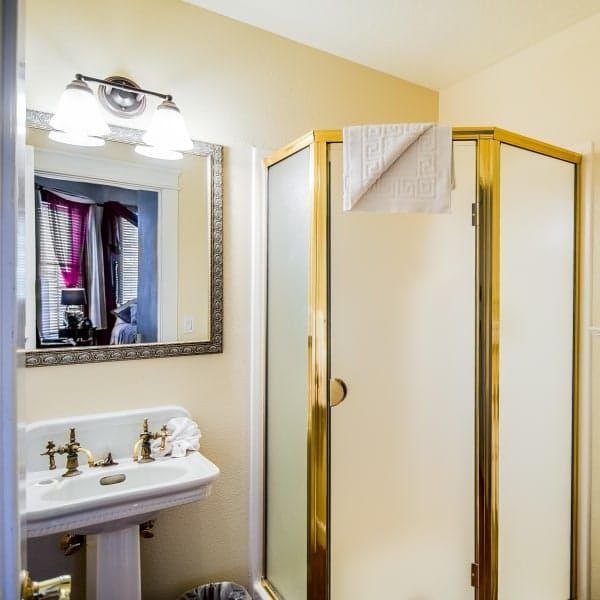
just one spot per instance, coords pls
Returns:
(127, 273)
(57, 227)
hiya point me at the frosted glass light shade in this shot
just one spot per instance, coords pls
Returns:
(79, 113)
(74, 139)
(167, 129)
(156, 152)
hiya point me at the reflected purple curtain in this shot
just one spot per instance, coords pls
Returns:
(68, 223)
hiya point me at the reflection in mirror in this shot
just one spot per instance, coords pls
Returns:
(96, 254)
(120, 249)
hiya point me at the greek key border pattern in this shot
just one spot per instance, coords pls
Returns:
(70, 356)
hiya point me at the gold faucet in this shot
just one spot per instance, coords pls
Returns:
(71, 449)
(142, 451)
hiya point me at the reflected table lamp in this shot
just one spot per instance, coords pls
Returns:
(73, 299)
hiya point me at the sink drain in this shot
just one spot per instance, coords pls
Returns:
(112, 479)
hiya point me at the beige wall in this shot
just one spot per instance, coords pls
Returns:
(550, 91)
(236, 86)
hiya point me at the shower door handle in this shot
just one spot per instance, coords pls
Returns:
(337, 391)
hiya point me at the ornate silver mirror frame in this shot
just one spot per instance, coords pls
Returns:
(89, 354)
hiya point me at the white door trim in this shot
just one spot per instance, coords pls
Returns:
(257, 368)
(585, 376)
(12, 121)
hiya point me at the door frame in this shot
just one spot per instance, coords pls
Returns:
(484, 570)
(12, 127)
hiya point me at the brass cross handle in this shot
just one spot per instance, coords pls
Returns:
(50, 452)
(163, 436)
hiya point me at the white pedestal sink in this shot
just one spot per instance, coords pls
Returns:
(109, 514)
(116, 553)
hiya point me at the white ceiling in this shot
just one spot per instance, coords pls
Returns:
(431, 42)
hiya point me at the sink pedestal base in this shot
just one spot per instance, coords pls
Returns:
(113, 565)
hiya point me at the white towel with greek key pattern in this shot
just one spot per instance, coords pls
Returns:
(401, 168)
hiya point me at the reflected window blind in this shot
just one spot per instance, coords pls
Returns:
(50, 311)
(127, 272)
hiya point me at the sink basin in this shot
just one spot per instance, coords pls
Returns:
(82, 504)
(122, 480)
(107, 504)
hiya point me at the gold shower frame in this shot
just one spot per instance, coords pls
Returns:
(484, 571)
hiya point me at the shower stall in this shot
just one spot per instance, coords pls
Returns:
(421, 380)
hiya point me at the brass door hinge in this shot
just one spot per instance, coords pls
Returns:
(474, 214)
(475, 575)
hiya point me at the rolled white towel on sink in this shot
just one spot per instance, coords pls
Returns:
(183, 435)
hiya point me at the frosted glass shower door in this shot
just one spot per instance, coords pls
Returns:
(402, 325)
(537, 229)
(288, 223)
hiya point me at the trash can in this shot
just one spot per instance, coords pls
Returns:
(224, 590)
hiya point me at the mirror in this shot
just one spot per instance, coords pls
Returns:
(123, 251)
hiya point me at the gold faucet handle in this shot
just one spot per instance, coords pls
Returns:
(50, 452)
(163, 436)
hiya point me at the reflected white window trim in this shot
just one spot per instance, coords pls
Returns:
(82, 355)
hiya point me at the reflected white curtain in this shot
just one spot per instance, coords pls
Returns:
(95, 269)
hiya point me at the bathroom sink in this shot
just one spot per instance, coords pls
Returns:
(81, 504)
(108, 503)
(124, 479)
(85, 505)
(91, 502)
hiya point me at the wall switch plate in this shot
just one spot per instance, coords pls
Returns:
(188, 324)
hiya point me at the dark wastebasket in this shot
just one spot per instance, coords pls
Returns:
(217, 591)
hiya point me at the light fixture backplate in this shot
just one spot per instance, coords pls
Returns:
(122, 103)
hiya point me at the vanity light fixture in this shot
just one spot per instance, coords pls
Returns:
(79, 119)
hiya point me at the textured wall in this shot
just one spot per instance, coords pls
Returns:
(237, 86)
(550, 91)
